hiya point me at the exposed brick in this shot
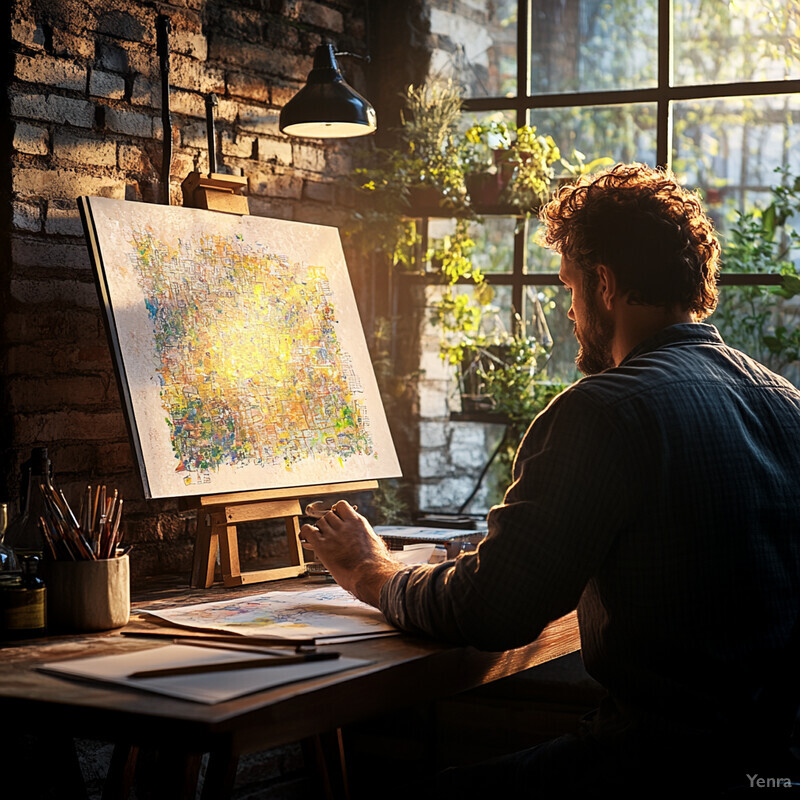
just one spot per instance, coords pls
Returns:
(53, 108)
(134, 159)
(50, 71)
(30, 139)
(70, 147)
(186, 73)
(281, 95)
(322, 192)
(306, 156)
(27, 32)
(64, 183)
(315, 14)
(36, 394)
(189, 43)
(239, 146)
(71, 45)
(55, 325)
(112, 57)
(258, 119)
(132, 123)
(278, 151)
(252, 87)
(189, 103)
(27, 217)
(269, 207)
(144, 93)
(339, 161)
(59, 426)
(227, 110)
(106, 84)
(256, 58)
(182, 165)
(37, 292)
(134, 27)
(64, 222)
(194, 134)
(113, 458)
(44, 253)
(276, 185)
(30, 359)
(72, 458)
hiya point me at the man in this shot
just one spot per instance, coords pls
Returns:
(660, 495)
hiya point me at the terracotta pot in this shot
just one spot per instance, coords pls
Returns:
(484, 188)
(424, 197)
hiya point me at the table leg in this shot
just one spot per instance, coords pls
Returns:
(220, 774)
(121, 771)
(326, 752)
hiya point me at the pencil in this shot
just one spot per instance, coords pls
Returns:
(228, 666)
(235, 638)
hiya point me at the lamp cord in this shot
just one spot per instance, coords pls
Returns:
(162, 40)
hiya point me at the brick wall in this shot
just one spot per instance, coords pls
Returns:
(83, 117)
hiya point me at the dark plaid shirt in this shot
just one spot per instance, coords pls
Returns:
(662, 498)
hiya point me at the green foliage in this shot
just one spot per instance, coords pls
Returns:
(522, 155)
(758, 319)
(389, 505)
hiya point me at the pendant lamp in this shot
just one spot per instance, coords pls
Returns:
(327, 107)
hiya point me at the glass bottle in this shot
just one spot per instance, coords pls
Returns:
(24, 535)
(8, 561)
(23, 602)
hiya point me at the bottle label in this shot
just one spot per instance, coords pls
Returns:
(23, 609)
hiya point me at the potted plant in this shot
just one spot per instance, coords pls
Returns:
(482, 177)
(507, 166)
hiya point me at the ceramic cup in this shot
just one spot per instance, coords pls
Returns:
(87, 595)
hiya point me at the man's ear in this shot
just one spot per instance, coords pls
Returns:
(606, 285)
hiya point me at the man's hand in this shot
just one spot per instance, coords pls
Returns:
(352, 552)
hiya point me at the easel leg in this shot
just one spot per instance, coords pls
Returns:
(205, 551)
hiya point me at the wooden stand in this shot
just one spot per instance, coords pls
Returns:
(215, 192)
(218, 515)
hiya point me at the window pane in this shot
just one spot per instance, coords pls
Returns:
(538, 258)
(749, 40)
(592, 45)
(731, 149)
(746, 314)
(620, 132)
(494, 244)
(553, 303)
(475, 43)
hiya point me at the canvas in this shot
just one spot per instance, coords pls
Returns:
(240, 354)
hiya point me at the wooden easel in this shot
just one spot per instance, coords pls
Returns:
(218, 515)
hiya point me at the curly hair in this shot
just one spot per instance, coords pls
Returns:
(640, 223)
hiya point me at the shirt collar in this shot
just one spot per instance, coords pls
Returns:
(682, 333)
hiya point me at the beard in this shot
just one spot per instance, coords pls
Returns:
(594, 337)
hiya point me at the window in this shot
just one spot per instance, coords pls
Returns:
(709, 88)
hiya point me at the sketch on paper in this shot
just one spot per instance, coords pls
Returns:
(240, 351)
(314, 613)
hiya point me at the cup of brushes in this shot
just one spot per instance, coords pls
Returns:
(86, 572)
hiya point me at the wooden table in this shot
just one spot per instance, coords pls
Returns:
(404, 671)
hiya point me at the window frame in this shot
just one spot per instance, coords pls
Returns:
(663, 95)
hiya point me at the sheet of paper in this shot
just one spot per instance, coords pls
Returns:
(313, 614)
(209, 687)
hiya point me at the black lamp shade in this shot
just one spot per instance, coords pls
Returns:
(327, 107)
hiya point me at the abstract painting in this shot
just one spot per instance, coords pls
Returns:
(239, 350)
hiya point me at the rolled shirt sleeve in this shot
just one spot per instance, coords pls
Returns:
(553, 530)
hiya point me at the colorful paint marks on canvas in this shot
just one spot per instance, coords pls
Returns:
(250, 366)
